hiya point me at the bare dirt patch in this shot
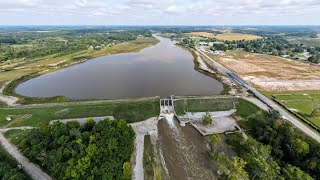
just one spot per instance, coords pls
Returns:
(272, 73)
(227, 36)
(236, 37)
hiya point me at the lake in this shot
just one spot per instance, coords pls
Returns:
(161, 70)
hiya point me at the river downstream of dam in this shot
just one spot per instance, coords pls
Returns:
(161, 70)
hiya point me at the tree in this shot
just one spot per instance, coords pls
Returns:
(295, 173)
(316, 112)
(214, 140)
(299, 148)
(259, 161)
(232, 170)
(207, 120)
(92, 151)
(126, 171)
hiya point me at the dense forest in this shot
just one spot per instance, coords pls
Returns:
(34, 44)
(288, 144)
(9, 168)
(276, 151)
(91, 151)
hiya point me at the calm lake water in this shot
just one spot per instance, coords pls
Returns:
(160, 70)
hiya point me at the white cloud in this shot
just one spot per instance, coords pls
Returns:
(162, 11)
(80, 3)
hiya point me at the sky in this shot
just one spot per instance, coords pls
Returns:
(159, 12)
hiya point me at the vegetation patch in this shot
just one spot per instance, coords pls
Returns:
(203, 105)
(291, 153)
(304, 104)
(132, 111)
(148, 158)
(246, 109)
(15, 135)
(9, 168)
(91, 151)
(207, 120)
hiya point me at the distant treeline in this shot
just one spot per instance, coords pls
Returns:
(34, 44)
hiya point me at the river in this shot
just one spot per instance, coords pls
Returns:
(160, 70)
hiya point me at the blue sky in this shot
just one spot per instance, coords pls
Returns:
(159, 12)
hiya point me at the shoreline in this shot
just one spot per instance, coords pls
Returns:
(7, 93)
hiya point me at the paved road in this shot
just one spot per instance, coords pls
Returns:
(33, 170)
(303, 127)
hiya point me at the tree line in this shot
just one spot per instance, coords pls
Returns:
(35, 44)
(9, 168)
(92, 151)
(275, 150)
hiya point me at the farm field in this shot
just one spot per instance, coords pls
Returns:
(236, 37)
(271, 73)
(227, 36)
(204, 34)
(302, 102)
(131, 111)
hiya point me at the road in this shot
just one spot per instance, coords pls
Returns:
(33, 170)
(149, 126)
(303, 127)
(16, 128)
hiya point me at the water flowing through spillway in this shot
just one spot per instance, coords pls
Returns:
(184, 151)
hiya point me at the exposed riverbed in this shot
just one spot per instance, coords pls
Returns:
(160, 70)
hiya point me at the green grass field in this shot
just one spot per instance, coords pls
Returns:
(131, 111)
(15, 135)
(302, 102)
(204, 105)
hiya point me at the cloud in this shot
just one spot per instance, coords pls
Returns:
(80, 3)
(161, 11)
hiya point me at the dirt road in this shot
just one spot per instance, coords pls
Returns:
(33, 170)
(9, 100)
(141, 129)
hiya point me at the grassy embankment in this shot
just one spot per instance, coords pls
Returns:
(248, 111)
(244, 108)
(48, 64)
(204, 105)
(131, 111)
(15, 135)
(227, 36)
(152, 169)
